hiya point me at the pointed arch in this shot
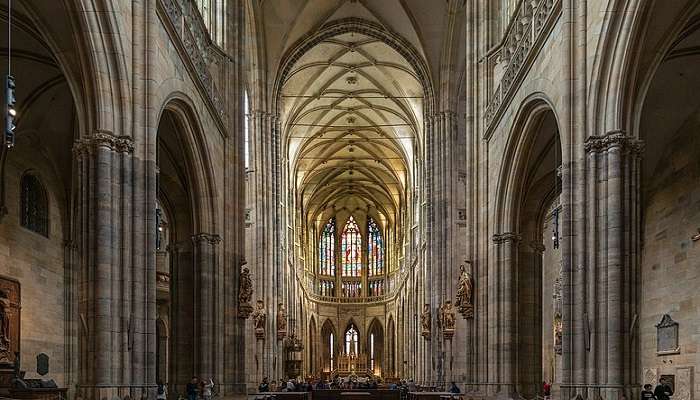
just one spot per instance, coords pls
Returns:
(375, 249)
(313, 347)
(375, 346)
(351, 338)
(351, 249)
(329, 347)
(197, 166)
(326, 249)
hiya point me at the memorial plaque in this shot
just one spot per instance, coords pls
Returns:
(42, 364)
(667, 336)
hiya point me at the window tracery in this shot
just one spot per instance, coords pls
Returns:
(326, 254)
(351, 248)
(375, 249)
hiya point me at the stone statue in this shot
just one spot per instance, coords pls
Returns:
(4, 322)
(447, 320)
(245, 294)
(557, 326)
(426, 321)
(259, 318)
(281, 321)
(465, 291)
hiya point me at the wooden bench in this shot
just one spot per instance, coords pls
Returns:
(369, 394)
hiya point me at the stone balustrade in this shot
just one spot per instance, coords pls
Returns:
(523, 38)
(199, 50)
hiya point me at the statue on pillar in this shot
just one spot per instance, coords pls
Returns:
(447, 320)
(281, 322)
(426, 321)
(245, 294)
(259, 318)
(465, 292)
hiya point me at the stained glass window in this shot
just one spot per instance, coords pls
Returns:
(351, 340)
(351, 246)
(326, 256)
(376, 288)
(352, 289)
(375, 249)
(326, 288)
(34, 205)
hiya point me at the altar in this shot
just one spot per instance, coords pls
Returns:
(352, 364)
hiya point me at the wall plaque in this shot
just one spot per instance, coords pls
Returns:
(42, 364)
(667, 336)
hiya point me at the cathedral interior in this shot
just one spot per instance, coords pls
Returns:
(497, 196)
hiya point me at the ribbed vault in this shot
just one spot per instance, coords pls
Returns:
(352, 110)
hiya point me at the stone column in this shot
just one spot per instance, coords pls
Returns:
(112, 296)
(616, 158)
(208, 322)
(505, 303)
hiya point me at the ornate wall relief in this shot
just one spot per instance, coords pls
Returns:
(684, 384)
(9, 320)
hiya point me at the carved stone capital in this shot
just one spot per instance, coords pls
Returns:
(88, 144)
(611, 140)
(500, 238)
(537, 246)
(212, 239)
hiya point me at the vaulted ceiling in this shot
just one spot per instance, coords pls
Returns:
(352, 109)
(352, 105)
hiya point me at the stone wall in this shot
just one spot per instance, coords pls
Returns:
(37, 262)
(670, 267)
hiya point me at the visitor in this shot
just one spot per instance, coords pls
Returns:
(647, 394)
(191, 389)
(264, 386)
(282, 387)
(546, 390)
(663, 390)
(290, 386)
(454, 389)
(207, 388)
(393, 386)
(161, 391)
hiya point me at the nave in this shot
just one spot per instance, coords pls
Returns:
(496, 197)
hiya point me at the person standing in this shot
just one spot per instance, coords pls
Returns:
(454, 389)
(647, 394)
(264, 386)
(663, 390)
(161, 393)
(546, 390)
(207, 388)
(191, 388)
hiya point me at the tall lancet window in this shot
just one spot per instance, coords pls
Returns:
(326, 249)
(351, 340)
(351, 247)
(34, 205)
(375, 249)
(246, 130)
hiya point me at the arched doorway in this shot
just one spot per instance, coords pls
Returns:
(391, 349)
(329, 349)
(375, 348)
(185, 273)
(312, 348)
(529, 250)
